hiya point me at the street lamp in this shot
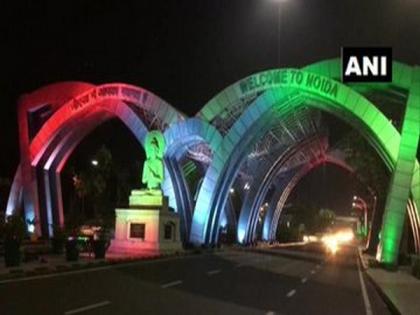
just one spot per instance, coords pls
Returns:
(94, 162)
(361, 204)
(372, 216)
(279, 8)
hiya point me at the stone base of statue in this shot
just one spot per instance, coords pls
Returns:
(147, 226)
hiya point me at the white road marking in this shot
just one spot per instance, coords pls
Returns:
(304, 280)
(270, 313)
(313, 271)
(364, 263)
(318, 266)
(171, 284)
(213, 272)
(368, 307)
(87, 308)
(291, 293)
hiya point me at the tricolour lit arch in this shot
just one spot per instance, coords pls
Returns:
(245, 111)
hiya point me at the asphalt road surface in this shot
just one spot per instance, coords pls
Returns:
(298, 280)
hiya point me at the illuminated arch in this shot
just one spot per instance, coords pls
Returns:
(402, 78)
(229, 124)
(269, 170)
(128, 103)
(52, 97)
(179, 137)
(327, 94)
(54, 161)
(14, 202)
(87, 101)
(272, 218)
(64, 141)
(331, 68)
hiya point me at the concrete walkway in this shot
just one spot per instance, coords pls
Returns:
(400, 288)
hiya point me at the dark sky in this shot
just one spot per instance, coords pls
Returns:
(184, 51)
(327, 186)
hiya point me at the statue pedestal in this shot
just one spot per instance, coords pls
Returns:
(147, 226)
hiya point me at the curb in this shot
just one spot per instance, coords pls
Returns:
(61, 269)
(287, 255)
(19, 273)
(391, 306)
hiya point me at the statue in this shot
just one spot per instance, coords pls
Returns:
(153, 171)
(140, 228)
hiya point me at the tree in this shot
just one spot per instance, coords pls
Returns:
(306, 215)
(368, 165)
(304, 218)
(4, 192)
(93, 183)
(325, 219)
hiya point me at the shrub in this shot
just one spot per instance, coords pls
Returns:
(373, 263)
(72, 250)
(13, 231)
(58, 240)
(416, 267)
(2, 223)
(99, 248)
(101, 242)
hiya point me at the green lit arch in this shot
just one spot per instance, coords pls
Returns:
(373, 123)
(402, 78)
(403, 75)
(331, 68)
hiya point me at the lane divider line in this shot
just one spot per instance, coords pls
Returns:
(171, 284)
(213, 272)
(304, 280)
(291, 293)
(368, 307)
(87, 308)
(313, 272)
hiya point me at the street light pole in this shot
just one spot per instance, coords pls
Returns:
(357, 201)
(279, 8)
(372, 217)
(278, 33)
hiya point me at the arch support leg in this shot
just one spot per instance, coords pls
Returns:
(399, 191)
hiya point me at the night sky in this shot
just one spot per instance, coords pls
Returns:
(184, 51)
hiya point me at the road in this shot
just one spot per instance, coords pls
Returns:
(298, 280)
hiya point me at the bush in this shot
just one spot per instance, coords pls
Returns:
(12, 253)
(101, 242)
(14, 228)
(404, 259)
(373, 263)
(2, 223)
(13, 231)
(99, 248)
(58, 240)
(72, 250)
(416, 267)
(291, 234)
